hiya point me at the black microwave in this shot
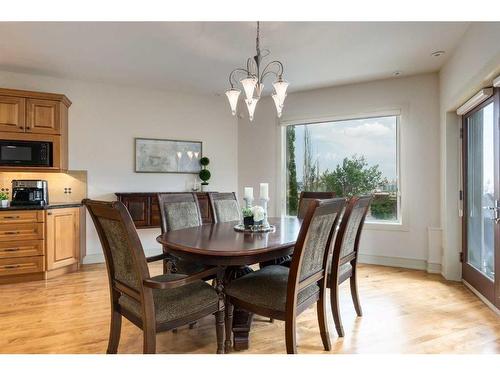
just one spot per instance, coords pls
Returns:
(25, 153)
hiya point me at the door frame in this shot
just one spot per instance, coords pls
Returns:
(469, 274)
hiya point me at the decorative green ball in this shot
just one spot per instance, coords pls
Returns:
(204, 175)
(204, 161)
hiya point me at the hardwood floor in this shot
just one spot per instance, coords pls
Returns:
(405, 311)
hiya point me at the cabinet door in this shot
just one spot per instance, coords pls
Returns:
(63, 242)
(138, 207)
(43, 117)
(12, 113)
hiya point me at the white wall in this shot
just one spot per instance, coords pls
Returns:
(103, 121)
(418, 99)
(473, 65)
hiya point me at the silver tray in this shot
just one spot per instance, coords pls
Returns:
(254, 228)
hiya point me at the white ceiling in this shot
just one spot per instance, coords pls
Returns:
(198, 56)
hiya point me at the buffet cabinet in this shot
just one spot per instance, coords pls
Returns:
(38, 244)
(145, 212)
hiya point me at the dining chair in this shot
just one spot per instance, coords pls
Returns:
(344, 258)
(179, 211)
(283, 293)
(154, 304)
(225, 207)
(307, 196)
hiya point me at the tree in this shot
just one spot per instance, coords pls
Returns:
(311, 176)
(353, 177)
(292, 194)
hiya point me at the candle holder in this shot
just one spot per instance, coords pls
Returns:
(248, 202)
(264, 203)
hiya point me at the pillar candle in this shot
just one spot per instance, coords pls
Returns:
(249, 193)
(264, 190)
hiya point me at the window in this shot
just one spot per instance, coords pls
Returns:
(348, 157)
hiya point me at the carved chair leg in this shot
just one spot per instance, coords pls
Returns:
(192, 324)
(149, 340)
(290, 336)
(323, 322)
(334, 301)
(354, 293)
(114, 332)
(219, 326)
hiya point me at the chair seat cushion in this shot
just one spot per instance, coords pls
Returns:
(267, 288)
(176, 303)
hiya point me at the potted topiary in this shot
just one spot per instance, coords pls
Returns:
(204, 173)
(4, 199)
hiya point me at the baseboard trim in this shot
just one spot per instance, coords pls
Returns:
(482, 298)
(414, 264)
(99, 258)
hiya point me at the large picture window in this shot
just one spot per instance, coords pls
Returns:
(348, 157)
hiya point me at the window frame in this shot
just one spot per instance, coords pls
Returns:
(401, 112)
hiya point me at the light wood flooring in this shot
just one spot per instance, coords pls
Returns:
(405, 311)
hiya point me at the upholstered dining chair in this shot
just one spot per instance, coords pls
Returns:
(307, 196)
(283, 293)
(344, 258)
(225, 207)
(179, 211)
(154, 304)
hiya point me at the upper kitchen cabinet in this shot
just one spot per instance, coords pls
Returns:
(43, 116)
(34, 117)
(33, 112)
(12, 114)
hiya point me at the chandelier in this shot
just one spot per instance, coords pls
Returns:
(252, 81)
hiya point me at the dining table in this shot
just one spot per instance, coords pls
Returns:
(221, 245)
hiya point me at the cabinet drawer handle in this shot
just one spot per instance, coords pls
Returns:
(12, 232)
(12, 249)
(12, 217)
(11, 266)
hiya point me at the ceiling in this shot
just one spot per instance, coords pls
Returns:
(198, 56)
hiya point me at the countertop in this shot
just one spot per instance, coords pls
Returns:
(45, 207)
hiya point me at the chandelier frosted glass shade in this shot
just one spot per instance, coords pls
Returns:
(280, 87)
(278, 104)
(233, 95)
(249, 84)
(251, 104)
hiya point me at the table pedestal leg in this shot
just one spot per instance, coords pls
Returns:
(242, 319)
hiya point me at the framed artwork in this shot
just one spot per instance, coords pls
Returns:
(167, 156)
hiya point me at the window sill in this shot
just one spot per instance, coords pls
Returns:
(386, 226)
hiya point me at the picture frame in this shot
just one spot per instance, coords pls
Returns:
(154, 155)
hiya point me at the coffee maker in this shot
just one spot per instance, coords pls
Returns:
(30, 193)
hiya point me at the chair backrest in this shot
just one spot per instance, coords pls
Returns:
(306, 197)
(347, 241)
(225, 207)
(179, 211)
(123, 252)
(313, 244)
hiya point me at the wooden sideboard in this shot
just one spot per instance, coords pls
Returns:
(145, 212)
(36, 116)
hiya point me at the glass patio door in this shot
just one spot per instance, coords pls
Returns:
(481, 232)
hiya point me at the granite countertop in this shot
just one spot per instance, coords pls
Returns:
(49, 206)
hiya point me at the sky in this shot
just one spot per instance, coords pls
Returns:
(374, 138)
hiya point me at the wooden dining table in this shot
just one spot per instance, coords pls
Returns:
(219, 244)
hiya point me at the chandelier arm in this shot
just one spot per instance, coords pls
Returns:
(236, 71)
(278, 74)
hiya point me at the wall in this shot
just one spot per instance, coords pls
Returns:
(472, 66)
(103, 121)
(417, 244)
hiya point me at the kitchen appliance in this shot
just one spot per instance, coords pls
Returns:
(26, 153)
(30, 193)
